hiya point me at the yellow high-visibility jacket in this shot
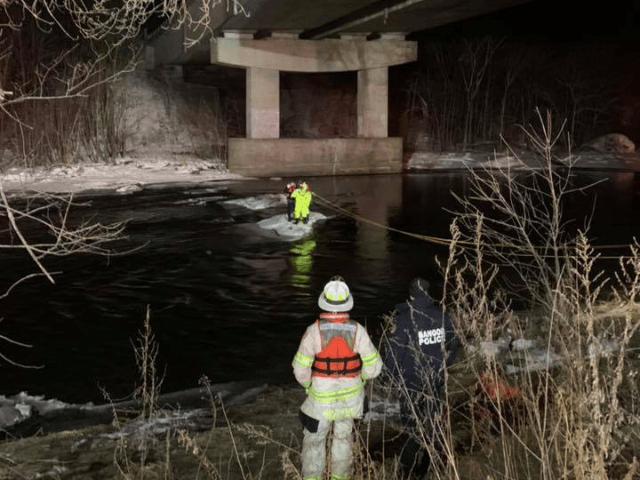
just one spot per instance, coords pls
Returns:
(303, 202)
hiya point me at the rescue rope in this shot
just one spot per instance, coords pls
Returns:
(465, 244)
(333, 206)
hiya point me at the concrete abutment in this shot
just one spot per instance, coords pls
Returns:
(263, 153)
(267, 157)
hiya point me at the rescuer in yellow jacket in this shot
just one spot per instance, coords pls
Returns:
(334, 359)
(302, 196)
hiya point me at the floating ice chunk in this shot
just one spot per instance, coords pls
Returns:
(534, 361)
(9, 416)
(521, 344)
(24, 409)
(290, 230)
(493, 348)
(603, 347)
(127, 189)
(261, 202)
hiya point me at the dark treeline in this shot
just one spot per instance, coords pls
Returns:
(60, 102)
(468, 91)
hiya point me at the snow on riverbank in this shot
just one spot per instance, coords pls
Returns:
(130, 174)
(125, 175)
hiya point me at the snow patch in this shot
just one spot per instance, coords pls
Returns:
(125, 175)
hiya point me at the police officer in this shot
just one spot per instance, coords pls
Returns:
(422, 345)
(334, 359)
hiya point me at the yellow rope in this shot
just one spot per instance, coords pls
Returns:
(445, 241)
(436, 240)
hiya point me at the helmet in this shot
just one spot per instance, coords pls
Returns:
(335, 296)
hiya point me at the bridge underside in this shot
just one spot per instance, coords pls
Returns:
(309, 36)
(264, 153)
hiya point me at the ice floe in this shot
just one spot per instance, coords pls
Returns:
(287, 230)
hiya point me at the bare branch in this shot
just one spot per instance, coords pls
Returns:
(23, 279)
(21, 237)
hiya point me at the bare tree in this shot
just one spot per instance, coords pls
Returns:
(58, 55)
(118, 22)
(55, 55)
(515, 64)
(474, 63)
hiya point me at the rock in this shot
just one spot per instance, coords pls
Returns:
(611, 143)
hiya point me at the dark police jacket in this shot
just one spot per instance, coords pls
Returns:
(415, 351)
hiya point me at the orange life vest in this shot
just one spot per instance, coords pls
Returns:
(337, 357)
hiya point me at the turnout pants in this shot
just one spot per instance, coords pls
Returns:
(291, 206)
(314, 450)
(300, 210)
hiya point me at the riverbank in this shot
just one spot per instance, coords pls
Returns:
(251, 434)
(261, 439)
(130, 174)
(587, 160)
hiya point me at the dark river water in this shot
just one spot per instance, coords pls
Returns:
(226, 301)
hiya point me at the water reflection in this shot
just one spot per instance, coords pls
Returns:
(374, 206)
(302, 262)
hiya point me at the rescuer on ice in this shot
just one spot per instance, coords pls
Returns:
(302, 197)
(291, 202)
(334, 359)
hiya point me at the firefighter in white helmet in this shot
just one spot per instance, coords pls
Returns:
(334, 359)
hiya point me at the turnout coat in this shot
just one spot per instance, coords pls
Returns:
(341, 396)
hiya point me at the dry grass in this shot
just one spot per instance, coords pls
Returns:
(578, 402)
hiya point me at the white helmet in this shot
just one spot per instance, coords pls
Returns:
(336, 297)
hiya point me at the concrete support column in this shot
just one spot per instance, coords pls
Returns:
(263, 103)
(373, 102)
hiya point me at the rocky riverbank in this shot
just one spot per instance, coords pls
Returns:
(247, 430)
(255, 435)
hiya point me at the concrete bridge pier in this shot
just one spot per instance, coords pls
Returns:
(263, 103)
(263, 153)
(373, 102)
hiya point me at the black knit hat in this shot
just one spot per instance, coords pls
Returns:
(419, 288)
